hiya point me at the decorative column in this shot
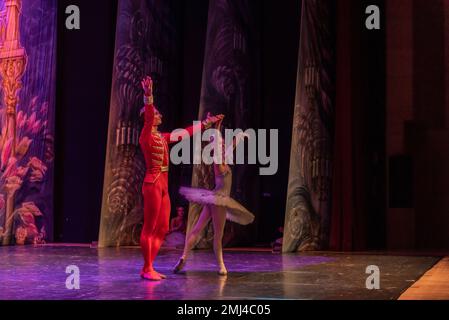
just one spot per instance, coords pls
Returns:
(126, 183)
(12, 67)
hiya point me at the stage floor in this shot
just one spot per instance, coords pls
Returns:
(39, 273)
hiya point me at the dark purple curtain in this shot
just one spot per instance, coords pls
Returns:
(360, 173)
(343, 200)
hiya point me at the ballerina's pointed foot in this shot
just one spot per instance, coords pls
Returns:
(180, 265)
(222, 271)
(151, 276)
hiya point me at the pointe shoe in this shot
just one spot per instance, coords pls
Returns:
(163, 276)
(151, 276)
(179, 266)
(222, 271)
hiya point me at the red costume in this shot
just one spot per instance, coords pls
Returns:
(155, 187)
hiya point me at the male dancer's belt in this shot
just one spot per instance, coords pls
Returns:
(164, 169)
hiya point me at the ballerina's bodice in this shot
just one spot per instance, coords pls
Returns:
(223, 183)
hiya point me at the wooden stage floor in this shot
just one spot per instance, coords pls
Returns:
(39, 273)
(433, 285)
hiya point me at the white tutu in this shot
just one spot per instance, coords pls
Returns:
(235, 212)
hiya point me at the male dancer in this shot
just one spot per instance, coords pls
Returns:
(155, 187)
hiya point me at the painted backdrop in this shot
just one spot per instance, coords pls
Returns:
(146, 44)
(307, 219)
(230, 86)
(27, 103)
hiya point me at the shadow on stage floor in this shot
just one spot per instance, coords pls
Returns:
(39, 273)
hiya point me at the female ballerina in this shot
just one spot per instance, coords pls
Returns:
(218, 205)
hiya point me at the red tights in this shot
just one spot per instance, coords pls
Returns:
(156, 219)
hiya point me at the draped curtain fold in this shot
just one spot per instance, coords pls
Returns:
(308, 209)
(146, 44)
(230, 86)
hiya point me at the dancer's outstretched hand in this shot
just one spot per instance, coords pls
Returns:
(210, 120)
(147, 85)
(219, 123)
